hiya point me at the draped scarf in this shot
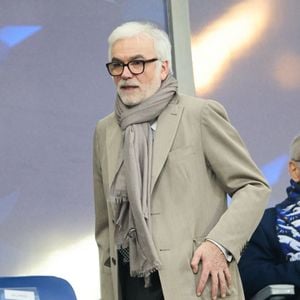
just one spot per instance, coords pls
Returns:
(288, 223)
(130, 188)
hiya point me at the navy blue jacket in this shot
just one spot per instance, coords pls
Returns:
(262, 262)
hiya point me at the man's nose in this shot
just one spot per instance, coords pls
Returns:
(126, 73)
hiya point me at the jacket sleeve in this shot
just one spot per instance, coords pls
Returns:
(233, 167)
(263, 263)
(101, 223)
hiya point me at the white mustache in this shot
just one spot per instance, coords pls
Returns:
(124, 83)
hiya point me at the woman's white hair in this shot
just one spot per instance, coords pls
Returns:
(131, 29)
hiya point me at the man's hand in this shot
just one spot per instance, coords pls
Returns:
(214, 264)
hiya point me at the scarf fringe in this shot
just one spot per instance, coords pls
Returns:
(147, 272)
(121, 199)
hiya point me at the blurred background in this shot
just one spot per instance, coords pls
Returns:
(54, 87)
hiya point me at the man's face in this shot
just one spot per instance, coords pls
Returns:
(294, 170)
(134, 89)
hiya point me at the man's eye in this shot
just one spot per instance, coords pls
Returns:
(136, 63)
(116, 65)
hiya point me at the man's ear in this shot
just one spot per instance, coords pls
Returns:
(294, 171)
(164, 70)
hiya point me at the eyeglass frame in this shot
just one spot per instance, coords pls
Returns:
(144, 62)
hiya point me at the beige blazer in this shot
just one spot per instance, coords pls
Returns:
(198, 158)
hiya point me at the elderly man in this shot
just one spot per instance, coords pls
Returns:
(273, 253)
(163, 166)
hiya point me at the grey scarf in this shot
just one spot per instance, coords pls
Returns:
(131, 186)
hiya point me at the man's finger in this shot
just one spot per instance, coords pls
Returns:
(195, 262)
(202, 282)
(223, 284)
(228, 277)
(214, 285)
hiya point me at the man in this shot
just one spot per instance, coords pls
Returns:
(163, 165)
(273, 253)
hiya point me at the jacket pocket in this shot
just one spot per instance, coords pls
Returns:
(183, 152)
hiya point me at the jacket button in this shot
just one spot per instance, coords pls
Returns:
(113, 260)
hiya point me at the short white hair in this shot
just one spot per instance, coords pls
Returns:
(295, 149)
(160, 38)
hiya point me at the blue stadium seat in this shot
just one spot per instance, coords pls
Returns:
(48, 287)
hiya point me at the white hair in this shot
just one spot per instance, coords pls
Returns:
(295, 148)
(160, 38)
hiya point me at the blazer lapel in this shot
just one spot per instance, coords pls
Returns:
(167, 125)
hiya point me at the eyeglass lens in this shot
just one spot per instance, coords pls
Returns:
(135, 67)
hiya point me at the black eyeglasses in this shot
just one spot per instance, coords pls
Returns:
(136, 66)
